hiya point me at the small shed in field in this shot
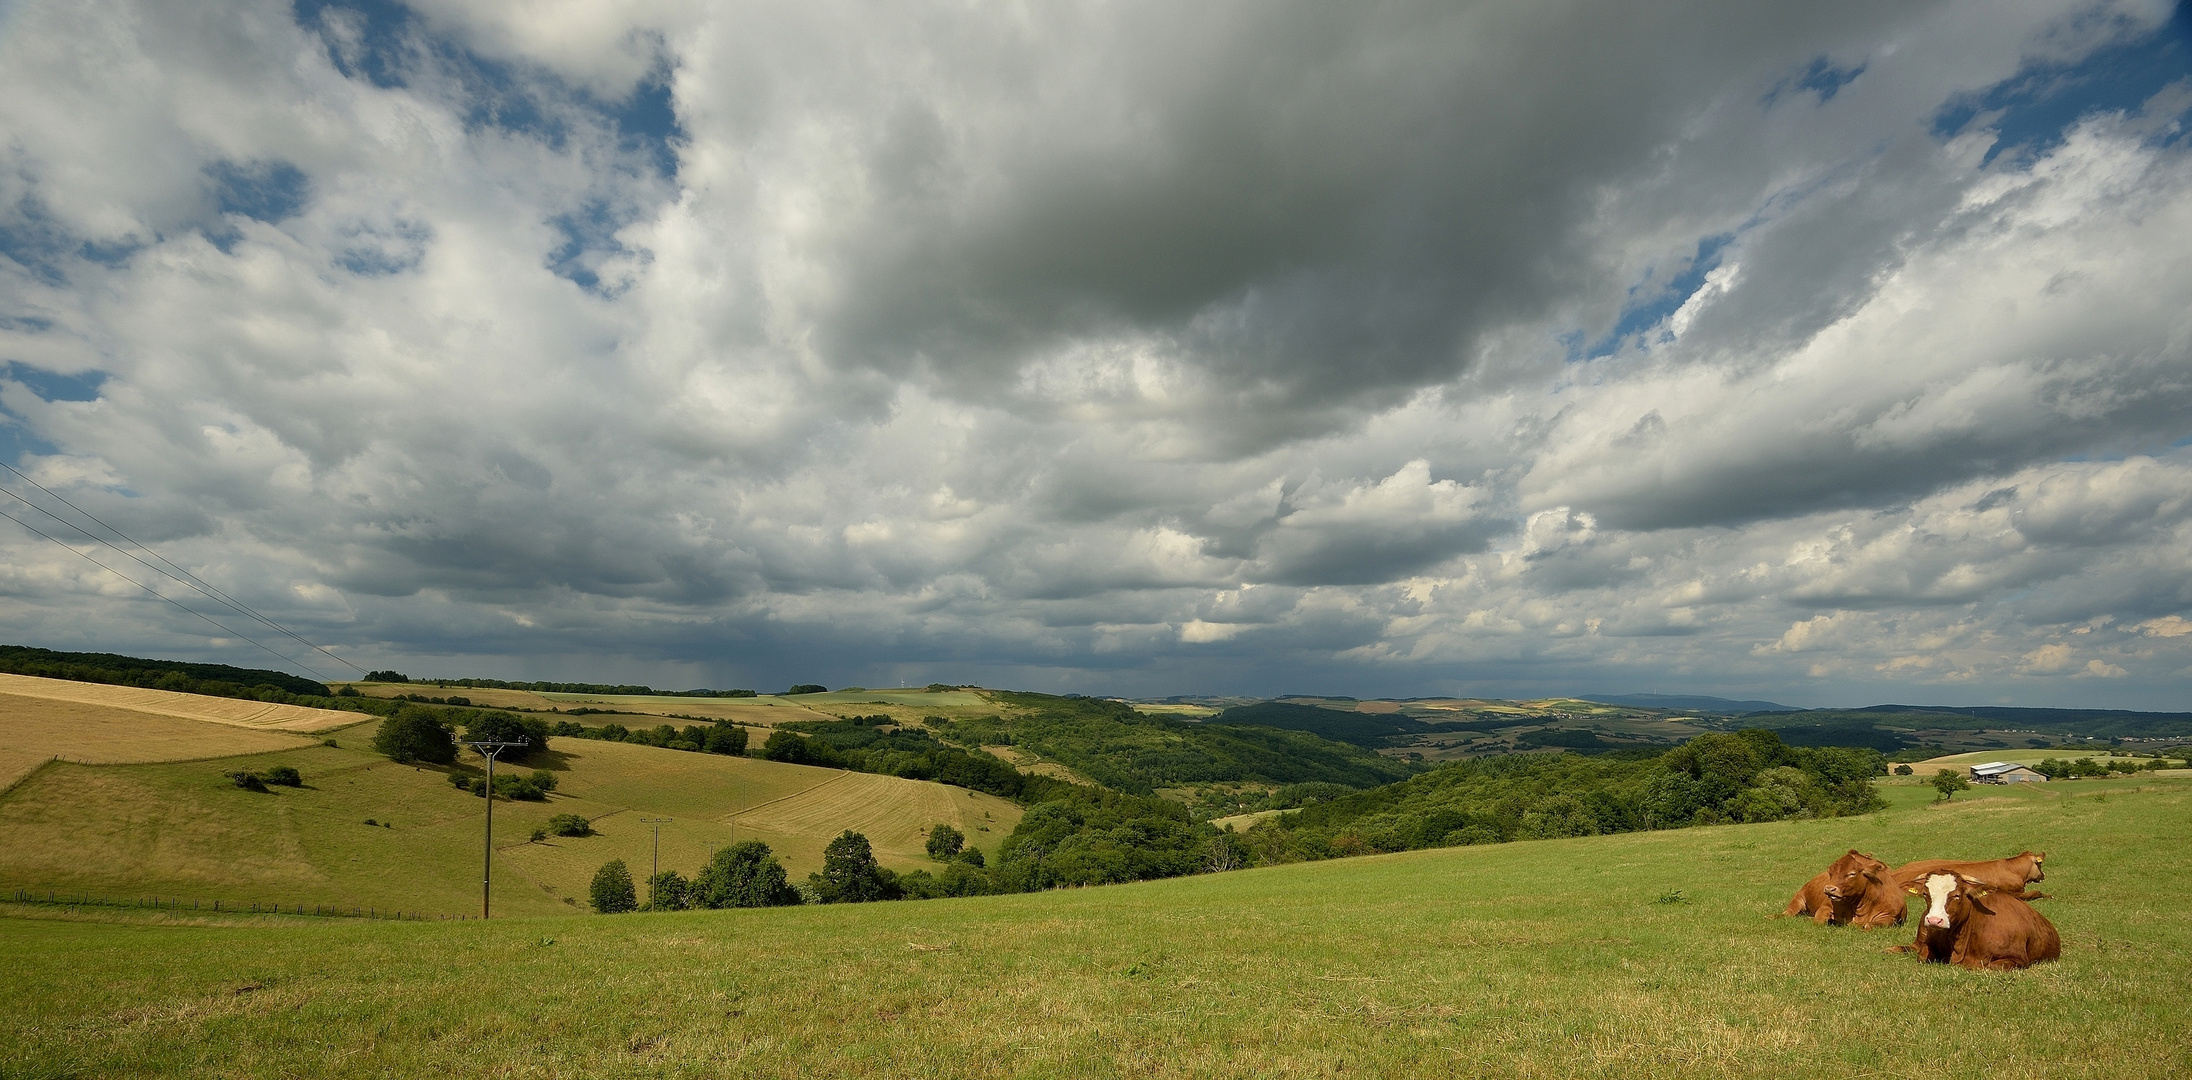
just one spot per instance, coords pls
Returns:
(2004, 772)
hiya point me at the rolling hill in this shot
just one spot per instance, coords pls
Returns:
(181, 829)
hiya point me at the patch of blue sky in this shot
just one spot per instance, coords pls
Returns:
(387, 44)
(1822, 78)
(587, 236)
(2030, 111)
(268, 191)
(15, 441)
(53, 386)
(31, 239)
(1651, 302)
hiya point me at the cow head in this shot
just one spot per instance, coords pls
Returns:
(1950, 898)
(2031, 861)
(1852, 874)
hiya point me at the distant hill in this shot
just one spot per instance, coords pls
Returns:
(1697, 702)
(1348, 727)
(137, 671)
(2091, 723)
(1110, 743)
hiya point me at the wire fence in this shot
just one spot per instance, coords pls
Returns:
(54, 898)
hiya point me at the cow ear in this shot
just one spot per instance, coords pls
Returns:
(1915, 888)
(1975, 891)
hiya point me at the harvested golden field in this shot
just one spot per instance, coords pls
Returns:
(236, 711)
(894, 814)
(35, 730)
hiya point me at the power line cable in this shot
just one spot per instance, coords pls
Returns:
(178, 605)
(179, 575)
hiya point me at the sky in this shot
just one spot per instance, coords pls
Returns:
(1830, 354)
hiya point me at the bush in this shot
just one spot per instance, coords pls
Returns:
(249, 781)
(385, 676)
(570, 825)
(414, 735)
(727, 739)
(807, 688)
(744, 875)
(612, 889)
(1904, 770)
(283, 775)
(669, 891)
(539, 835)
(945, 842)
(956, 879)
(850, 874)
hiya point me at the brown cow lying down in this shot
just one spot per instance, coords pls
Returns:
(1852, 892)
(1970, 925)
(2009, 875)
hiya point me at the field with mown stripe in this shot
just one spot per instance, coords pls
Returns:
(1643, 954)
(183, 830)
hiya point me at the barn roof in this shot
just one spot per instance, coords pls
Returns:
(1994, 768)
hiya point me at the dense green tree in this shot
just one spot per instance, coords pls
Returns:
(850, 874)
(744, 875)
(508, 727)
(945, 842)
(612, 889)
(727, 739)
(799, 750)
(413, 735)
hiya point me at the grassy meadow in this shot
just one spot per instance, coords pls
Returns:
(181, 829)
(1636, 955)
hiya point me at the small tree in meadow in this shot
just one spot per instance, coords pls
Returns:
(1948, 782)
(850, 874)
(612, 890)
(945, 842)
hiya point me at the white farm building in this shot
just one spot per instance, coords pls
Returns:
(2004, 772)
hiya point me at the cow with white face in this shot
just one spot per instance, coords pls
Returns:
(1970, 925)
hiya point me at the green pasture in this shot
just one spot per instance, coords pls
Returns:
(1637, 955)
